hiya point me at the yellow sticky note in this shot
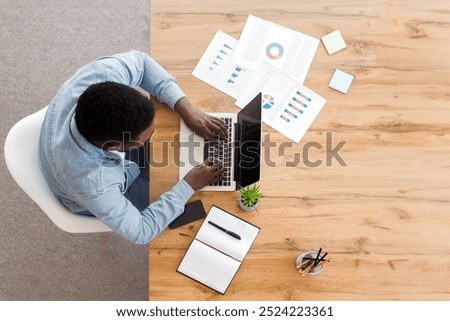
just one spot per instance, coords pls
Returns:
(333, 42)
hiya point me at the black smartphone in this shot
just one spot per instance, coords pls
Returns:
(192, 212)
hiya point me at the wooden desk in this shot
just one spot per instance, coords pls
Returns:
(385, 216)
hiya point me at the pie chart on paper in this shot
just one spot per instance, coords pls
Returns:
(274, 51)
(268, 101)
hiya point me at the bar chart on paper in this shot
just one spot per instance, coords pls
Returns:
(217, 69)
(233, 78)
(296, 113)
(288, 106)
(296, 106)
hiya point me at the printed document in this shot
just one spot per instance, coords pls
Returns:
(288, 106)
(290, 51)
(217, 69)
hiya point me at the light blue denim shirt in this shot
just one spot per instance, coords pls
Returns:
(88, 179)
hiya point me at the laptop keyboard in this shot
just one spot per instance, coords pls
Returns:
(219, 149)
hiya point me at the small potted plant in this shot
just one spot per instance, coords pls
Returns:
(249, 197)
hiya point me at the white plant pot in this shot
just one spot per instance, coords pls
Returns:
(246, 208)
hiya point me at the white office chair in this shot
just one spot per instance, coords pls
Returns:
(21, 155)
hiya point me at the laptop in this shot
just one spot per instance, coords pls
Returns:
(240, 152)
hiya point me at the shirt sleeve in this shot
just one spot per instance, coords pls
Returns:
(137, 69)
(117, 212)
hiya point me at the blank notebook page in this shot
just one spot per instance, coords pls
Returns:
(208, 266)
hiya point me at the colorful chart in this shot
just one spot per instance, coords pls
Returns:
(298, 101)
(274, 51)
(220, 60)
(234, 75)
(290, 113)
(268, 101)
(217, 60)
(285, 118)
(303, 95)
(296, 107)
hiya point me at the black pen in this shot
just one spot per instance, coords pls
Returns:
(225, 230)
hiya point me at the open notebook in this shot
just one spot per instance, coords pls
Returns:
(214, 256)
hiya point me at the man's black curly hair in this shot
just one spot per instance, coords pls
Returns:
(107, 110)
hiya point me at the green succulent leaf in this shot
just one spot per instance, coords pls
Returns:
(250, 195)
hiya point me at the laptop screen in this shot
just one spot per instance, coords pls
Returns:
(248, 149)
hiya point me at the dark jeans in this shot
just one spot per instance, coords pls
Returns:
(138, 192)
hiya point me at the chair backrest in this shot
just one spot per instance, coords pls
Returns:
(21, 155)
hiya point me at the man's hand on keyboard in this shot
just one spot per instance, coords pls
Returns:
(205, 125)
(204, 174)
(201, 123)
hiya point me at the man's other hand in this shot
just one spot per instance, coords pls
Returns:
(204, 174)
(201, 123)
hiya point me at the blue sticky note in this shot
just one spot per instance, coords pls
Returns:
(341, 81)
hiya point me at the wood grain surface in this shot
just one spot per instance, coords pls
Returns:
(384, 215)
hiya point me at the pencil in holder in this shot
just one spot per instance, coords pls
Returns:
(310, 263)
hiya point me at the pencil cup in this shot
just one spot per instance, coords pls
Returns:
(310, 255)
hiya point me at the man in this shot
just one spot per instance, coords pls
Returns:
(96, 114)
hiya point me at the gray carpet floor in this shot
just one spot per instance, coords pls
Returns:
(42, 43)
